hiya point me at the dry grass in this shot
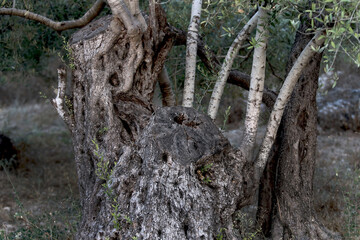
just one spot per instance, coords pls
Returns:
(41, 198)
(337, 182)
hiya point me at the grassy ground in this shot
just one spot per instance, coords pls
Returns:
(337, 182)
(40, 200)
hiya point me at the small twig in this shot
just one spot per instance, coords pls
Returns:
(246, 57)
(273, 71)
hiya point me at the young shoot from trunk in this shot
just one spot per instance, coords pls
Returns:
(283, 98)
(191, 52)
(228, 62)
(256, 85)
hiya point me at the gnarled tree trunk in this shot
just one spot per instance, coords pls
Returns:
(166, 174)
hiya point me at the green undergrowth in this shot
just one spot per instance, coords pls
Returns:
(352, 207)
(59, 222)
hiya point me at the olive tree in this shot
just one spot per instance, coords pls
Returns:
(169, 173)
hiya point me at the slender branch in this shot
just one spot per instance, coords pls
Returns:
(283, 98)
(59, 101)
(57, 26)
(256, 84)
(191, 50)
(168, 98)
(212, 63)
(272, 69)
(228, 62)
(246, 57)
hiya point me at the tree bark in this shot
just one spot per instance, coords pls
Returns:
(108, 112)
(256, 84)
(191, 50)
(286, 190)
(305, 57)
(166, 174)
(168, 97)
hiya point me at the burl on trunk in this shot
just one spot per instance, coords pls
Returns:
(145, 174)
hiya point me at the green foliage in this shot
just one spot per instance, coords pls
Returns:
(205, 84)
(206, 167)
(102, 166)
(245, 226)
(118, 217)
(68, 58)
(221, 21)
(340, 19)
(204, 173)
(43, 227)
(104, 172)
(103, 130)
(226, 117)
(24, 43)
(220, 235)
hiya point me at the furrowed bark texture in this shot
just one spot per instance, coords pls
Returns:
(163, 175)
(107, 110)
(286, 191)
(179, 181)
